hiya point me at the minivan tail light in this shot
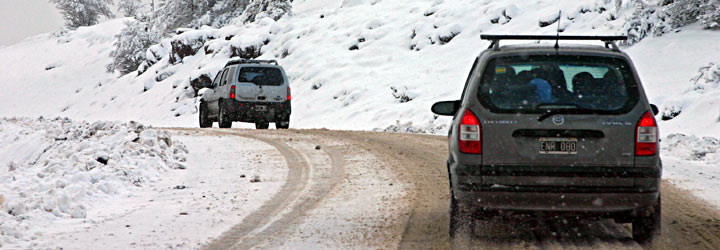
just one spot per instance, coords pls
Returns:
(470, 133)
(646, 136)
(232, 92)
(288, 95)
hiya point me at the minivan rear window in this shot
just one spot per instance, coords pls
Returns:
(263, 76)
(535, 84)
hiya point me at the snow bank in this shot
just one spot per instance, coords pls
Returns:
(54, 169)
(692, 148)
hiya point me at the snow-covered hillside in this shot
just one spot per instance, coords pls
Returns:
(353, 64)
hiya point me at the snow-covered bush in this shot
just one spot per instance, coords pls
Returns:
(704, 87)
(707, 79)
(692, 148)
(173, 14)
(258, 9)
(83, 12)
(646, 21)
(711, 18)
(129, 8)
(224, 11)
(60, 168)
(131, 46)
(657, 20)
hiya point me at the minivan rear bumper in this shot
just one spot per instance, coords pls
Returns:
(560, 201)
(557, 188)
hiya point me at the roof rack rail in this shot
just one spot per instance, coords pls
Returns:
(245, 61)
(608, 40)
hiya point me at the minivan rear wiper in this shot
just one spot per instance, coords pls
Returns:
(560, 108)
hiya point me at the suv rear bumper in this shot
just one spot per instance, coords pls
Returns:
(253, 111)
(557, 189)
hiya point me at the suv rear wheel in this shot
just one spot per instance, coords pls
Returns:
(646, 228)
(223, 120)
(262, 125)
(205, 121)
(282, 125)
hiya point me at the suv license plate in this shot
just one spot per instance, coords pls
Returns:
(260, 108)
(558, 146)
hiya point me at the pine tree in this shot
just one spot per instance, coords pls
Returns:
(274, 9)
(83, 12)
(131, 45)
(129, 7)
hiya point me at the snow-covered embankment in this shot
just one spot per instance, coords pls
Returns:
(53, 170)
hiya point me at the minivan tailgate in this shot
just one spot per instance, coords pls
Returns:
(581, 140)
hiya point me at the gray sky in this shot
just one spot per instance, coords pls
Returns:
(23, 18)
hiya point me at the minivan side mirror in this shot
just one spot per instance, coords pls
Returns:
(654, 109)
(448, 108)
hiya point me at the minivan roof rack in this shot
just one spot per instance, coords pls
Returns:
(608, 40)
(245, 61)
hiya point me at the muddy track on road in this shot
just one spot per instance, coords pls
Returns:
(419, 160)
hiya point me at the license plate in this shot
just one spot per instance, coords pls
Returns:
(260, 108)
(558, 146)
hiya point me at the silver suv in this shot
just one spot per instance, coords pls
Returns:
(255, 91)
(560, 130)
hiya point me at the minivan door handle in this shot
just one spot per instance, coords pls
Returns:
(573, 133)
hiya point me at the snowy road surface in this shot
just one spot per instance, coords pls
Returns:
(376, 190)
(323, 189)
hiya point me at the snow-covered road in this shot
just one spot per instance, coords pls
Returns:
(324, 189)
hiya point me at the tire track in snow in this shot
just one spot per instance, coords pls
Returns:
(281, 213)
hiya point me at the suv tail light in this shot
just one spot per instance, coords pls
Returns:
(646, 136)
(470, 134)
(288, 95)
(232, 92)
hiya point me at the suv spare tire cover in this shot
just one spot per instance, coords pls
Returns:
(247, 90)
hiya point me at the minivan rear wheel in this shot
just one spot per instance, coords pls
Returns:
(262, 125)
(645, 228)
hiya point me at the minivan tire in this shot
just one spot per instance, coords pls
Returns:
(262, 125)
(205, 121)
(282, 125)
(223, 121)
(646, 228)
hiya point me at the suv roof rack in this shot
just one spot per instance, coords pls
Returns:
(608, 40)
(245, 61)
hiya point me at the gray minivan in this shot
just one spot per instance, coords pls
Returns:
(256, 91)
(562, 130)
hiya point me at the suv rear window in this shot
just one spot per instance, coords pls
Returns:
(534, 84)
(261, 76)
